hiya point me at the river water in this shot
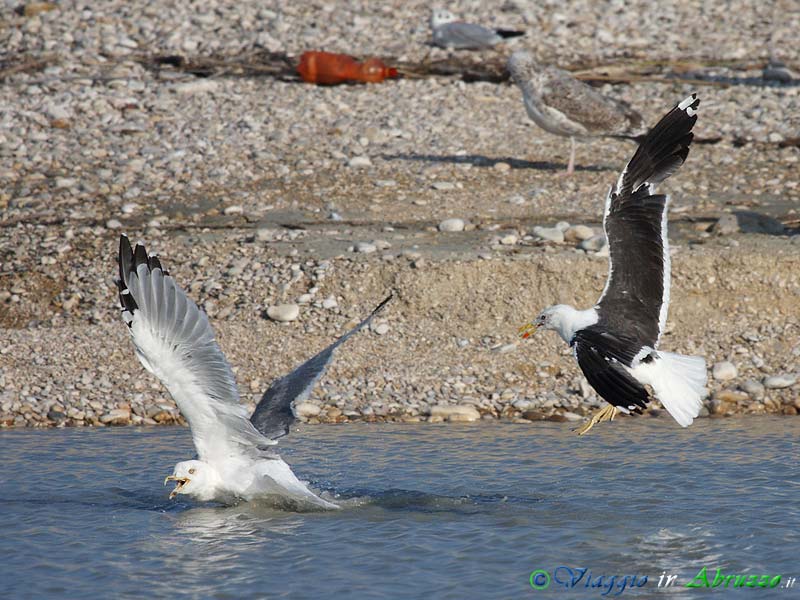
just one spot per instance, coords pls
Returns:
(430, 511)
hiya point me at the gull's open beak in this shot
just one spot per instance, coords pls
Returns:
(179, 483)
(528, 330)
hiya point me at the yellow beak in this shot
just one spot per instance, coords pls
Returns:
(528, 330)
(180, 482)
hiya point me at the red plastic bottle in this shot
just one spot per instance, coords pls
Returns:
(326, 68)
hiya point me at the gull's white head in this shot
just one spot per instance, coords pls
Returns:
(195, 478)
(561, 318)
(440, 16)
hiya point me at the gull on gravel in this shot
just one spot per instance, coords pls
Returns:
(565, 106)
(174, 341)
(449, 32)
(616, 341)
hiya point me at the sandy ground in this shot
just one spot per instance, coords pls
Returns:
(256, 192)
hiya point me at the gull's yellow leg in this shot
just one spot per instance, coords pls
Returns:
(607, 413)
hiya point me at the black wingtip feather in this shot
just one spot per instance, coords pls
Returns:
(665, 147)
(128, 261)
(509, 33)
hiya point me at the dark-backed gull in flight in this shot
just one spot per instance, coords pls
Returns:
(616, 341)
(174, 341)
(449, 32)
(565, 106)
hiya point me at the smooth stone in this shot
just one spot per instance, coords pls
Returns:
(551, 234)
(381, 328)
(233, 210)
(777, 382)
(196, 87)
(733, 396)
(571, 416)
(117, 416)
(753, 387)
(593, 244)
(443, 185)
(365, 247)
(304, 410)
(578, 233)
(283, 312)
(509, 240)
(562, 226)
(453, 224)
(359, 162)
(724, 371)
(534, 415)
(330, 302)
(455, 412)
(113, 224)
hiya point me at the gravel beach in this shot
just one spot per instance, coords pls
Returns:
(288, 211)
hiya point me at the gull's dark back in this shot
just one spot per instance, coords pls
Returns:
(274, 414)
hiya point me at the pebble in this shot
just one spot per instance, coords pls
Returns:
(365, 247)
(578, 233)
(453, 224)
(777, 382)
(443, 185)
(551, 234)
(594, 243)
(113, 224)
(118, 416)
(304, 410)
(359, 162)
(198, 86)
(724, 371)
(509, 240)
(455, 412)
(330, 302)
(381, 328)
(283, 312)
(233, 210)
(753, 387)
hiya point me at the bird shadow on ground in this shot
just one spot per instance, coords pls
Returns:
(478, 160)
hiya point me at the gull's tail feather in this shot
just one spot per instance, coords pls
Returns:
(664, 148)
(678, 381)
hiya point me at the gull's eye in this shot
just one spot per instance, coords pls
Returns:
(191, 471)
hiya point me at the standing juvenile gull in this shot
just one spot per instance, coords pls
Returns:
(615, 343)
(449, 32)
(174, 341)
(562, 105)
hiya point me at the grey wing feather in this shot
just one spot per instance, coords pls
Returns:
(274, 415)
(465, 35)
(174, 341)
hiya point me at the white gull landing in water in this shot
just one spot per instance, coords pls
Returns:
(616, 341)
(449, 32)
(174, 341)
(565, 106)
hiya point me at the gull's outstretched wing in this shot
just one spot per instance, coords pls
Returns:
(274, 414)
(175, 342)
(636, 295)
